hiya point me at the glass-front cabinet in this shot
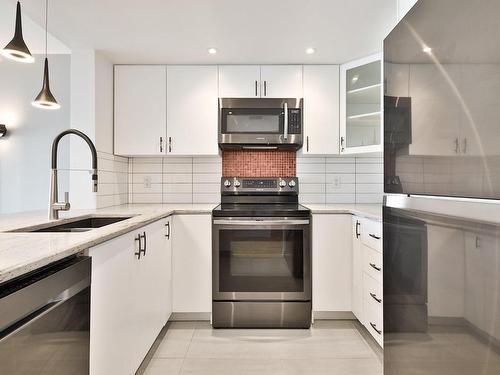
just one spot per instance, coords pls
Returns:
(361, 105)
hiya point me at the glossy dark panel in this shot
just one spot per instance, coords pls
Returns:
(442, 100)
(441, 295)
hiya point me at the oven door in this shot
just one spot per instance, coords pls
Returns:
(261, 259)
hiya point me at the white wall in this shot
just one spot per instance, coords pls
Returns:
(404, 6)
(25, 153)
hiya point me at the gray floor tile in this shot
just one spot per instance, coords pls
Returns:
(162, 366)
(201, 366)
(337, 366)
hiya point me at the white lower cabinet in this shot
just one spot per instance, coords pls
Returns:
(192, 263)
(367, 271)
(331, 263)
(129, 300)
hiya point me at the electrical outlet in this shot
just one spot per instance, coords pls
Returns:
(337, 182)
(147, 182)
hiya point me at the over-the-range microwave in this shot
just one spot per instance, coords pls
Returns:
(260, 123)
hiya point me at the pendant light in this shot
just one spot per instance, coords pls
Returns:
(45, 99)
(17, 49)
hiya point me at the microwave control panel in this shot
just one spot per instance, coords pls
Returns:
(294, 121)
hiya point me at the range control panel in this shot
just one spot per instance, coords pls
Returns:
(268, 185)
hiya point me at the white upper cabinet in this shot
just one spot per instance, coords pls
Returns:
(140, 110)
(281, 81)
(321, 110)
(361, 105)
(192, 110)
(260, 81)
(239, 81)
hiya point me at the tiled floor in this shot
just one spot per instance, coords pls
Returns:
(330, 347)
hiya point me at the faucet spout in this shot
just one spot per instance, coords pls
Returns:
(56, 206)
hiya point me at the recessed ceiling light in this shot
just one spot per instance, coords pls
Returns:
(212, 50)
(427, 49)
(310, 50)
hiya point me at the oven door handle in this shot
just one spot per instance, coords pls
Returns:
(261, 222)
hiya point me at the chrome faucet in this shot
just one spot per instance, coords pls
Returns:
(55, 206)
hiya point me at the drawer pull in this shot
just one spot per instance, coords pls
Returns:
(374, 296)
(374, 236)
(374, 266)
(374, 326)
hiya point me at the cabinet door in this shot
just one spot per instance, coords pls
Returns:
(239, 81)
(436, 110)
(331, 262)
(192, 265)
(321, 109)
(361, 105)
(192, 110)
(112, 341)
(281, 81)
(357, 269)
(140, 110)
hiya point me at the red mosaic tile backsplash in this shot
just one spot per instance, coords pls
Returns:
(259, 163)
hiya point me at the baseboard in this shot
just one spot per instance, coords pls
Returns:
(333, 315)
(187, 316)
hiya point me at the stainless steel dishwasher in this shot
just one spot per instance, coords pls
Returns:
(45, 320)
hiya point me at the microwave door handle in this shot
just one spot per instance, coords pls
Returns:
(285, 125)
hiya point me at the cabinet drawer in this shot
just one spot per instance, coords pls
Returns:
(372, 263)
(372, 292)
(372, 234)
(374, 323)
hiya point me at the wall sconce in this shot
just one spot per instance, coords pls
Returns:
(3, 130)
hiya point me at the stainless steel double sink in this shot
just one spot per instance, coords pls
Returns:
(77, 225)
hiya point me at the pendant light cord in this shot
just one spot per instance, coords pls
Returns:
(46, 23)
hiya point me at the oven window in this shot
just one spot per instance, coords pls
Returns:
(264, 120)
(264, 260)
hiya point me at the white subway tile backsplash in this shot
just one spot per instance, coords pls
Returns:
(178, 188)
(341, 168)
(206, 188)
(341, 189)
(177, 178)
(364, 167)
(346, 178)
(148, 189)
(177, 168)
(311, 188)
(369, 188)
(112, 180)
(146, 198)
(177, 198)
(340, 198)
(310, 168)
(206, 197)
(147, 168)
(146, 178)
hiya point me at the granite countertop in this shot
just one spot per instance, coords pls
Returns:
(370, 211)
(22, 252)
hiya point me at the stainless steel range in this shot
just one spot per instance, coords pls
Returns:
(261, 247)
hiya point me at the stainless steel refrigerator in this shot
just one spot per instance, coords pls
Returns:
(442, 184)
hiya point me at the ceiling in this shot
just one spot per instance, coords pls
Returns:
(251, 31)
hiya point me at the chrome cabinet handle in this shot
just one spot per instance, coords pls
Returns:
(358, 224)
(285, 112)
(168, 230)
(465, 146)
(374, 236)
(374, 326)
(342, 144)
(161, 144)
(374, 266)
(256, 84)
(145, 243)
(457, 146)
(265, 88)
(307, 143)
(374, 296)
(169, 144)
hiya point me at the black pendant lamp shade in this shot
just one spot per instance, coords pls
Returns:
(17, 49)
(45, 99)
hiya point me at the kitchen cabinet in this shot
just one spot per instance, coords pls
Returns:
(140, 112)
(357, 269)
(331, 263)
(192, 264)
(367, 275)
(261, 81)
(281, 81)
(361, 105)
(192, 110)
(239, 81)
(321, 110)
(128, 305)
